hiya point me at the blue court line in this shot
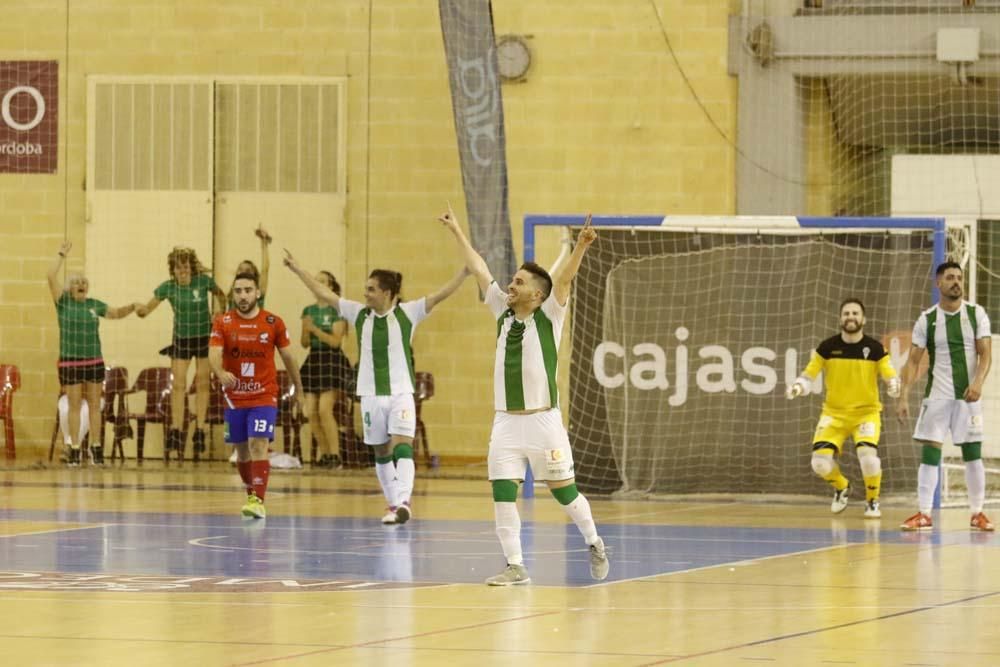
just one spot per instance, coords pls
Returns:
(426, 551)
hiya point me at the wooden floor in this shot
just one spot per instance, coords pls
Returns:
(156, 567)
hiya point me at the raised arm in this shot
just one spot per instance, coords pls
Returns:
(55, 287)
(265, 257)
(474, 262)
(563, 280)
(447, 289)
(322, 292)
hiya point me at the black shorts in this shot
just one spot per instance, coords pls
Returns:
(325, 370)
(69, 375)
(185, 348)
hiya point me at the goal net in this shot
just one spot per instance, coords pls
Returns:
(685, 334)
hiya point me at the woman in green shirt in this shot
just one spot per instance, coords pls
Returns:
(326, 372)
(81, 364)
(189, 291)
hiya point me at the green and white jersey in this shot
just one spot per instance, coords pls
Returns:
(524, 374)
(950, 341)
(385, 363)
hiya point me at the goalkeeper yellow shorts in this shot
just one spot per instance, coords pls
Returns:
(834, 428)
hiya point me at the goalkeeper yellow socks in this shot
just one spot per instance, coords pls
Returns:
(837, 479)
(873, 486)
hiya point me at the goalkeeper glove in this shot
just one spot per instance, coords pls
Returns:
(797, 388)
(892, 387)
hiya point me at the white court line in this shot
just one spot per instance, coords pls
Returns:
(732, 564)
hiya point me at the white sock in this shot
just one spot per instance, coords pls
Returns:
(975, 481)
(579, 511)
(509, 531)
(405, 473)
(386, 473)
(63, 406)
(927, 479)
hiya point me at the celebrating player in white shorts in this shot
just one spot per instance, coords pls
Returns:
(385, 329)
(528, 426)
(956, 336)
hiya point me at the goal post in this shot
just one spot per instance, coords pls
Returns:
(686, 330)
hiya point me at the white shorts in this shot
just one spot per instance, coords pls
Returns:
(538, 438)
(941, 416)
(385, 416)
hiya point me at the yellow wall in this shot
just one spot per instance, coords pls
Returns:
(605, 122)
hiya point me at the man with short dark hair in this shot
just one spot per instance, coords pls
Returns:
(528, 426)
(956, 335)
(241, 354)
(852, 363)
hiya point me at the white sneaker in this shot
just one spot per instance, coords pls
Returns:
(839, 503)
(513, 575)
(390, 516)
(404, 512)
(872, 510)
(599, 564)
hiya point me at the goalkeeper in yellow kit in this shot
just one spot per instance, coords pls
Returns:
(852, 363)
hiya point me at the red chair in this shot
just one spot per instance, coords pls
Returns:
(115, 412)
(424, 385)
(10, 381)
(158, 384)
(216, 413)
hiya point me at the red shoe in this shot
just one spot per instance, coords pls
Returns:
(981, 522)
(918, 521)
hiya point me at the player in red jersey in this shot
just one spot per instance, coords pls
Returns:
(241, 354)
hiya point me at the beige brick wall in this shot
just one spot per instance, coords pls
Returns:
(605, 122)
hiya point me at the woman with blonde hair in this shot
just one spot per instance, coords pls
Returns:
(81, 363)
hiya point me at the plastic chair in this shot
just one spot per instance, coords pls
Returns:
(10, 381)
(424, 386)
(115, 412)
(216, 413)
(290, 418)
(116, 409)
(157, 383)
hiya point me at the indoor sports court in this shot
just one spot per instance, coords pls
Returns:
(471, 332)
(113, 564)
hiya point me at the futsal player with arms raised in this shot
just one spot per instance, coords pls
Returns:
(528, 426)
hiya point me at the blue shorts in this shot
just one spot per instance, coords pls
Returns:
(245, 423)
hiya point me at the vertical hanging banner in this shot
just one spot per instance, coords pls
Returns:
(29, 116)
(467, 26)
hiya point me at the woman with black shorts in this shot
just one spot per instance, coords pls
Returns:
(81, 364)
(326, 372)
(189, 291)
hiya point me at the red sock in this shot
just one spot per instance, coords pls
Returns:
(246, 475)
(260, 471)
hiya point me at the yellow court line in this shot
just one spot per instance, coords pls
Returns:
(57, 530)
